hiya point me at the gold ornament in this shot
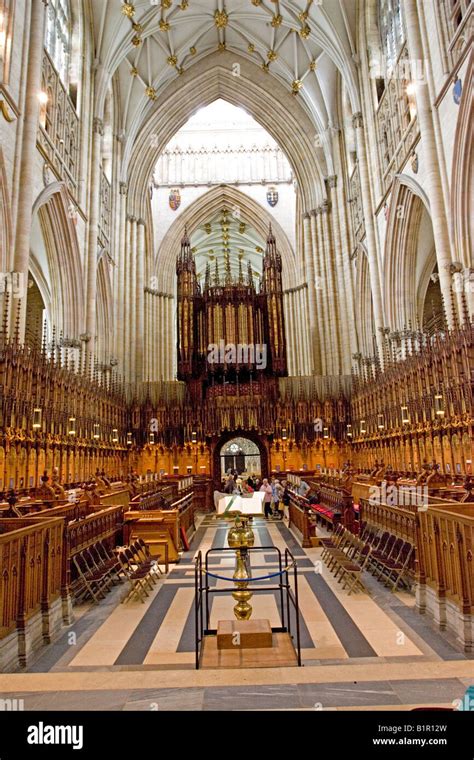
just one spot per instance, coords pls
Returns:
(251, 48)
(136, 41)
(172, 60)
(128, 10)
(150, 92)
(221, 19)
(133, 71)
(241, 538)
(164, 26)
(305, 31)
(312, 66)
(192, 50)
(277, 20)
(272, 55)
(137, 27)
(221, 47)
(296, 86)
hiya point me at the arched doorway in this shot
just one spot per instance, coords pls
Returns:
(244, 449)
(241, 454)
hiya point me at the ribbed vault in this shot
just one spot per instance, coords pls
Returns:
(275, 109)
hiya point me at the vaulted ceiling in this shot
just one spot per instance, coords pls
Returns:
(303, 43)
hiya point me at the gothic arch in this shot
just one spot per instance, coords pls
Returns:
(65, 281)
(409, 255)
(204, 207)
(219, 444)
(104, 307)
(462, 180)
(5, 219)
(277, 111)
(364, 306)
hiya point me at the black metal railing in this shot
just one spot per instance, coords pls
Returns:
(287, 575)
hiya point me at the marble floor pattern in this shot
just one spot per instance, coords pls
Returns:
(359, 652)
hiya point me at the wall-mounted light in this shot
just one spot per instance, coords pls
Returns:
(37, 418)
(405, 417)
(43, 97)
(3, 34)
(380, 422)
(411, 89)
(115, 435)
(439, 405)
(284, 435)
(72, 426)
(325, 432)
(363, 429)
(349, 431)
(129, 439)
(194, 437)
(96, 434)
(151, 439)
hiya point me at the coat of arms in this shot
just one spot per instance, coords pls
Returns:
(272, 196)
(175, 199)
(457, 91)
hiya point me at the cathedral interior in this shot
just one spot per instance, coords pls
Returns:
(236, 355)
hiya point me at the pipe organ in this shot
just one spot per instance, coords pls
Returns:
(229, 332)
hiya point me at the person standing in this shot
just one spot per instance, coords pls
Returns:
(267, 499)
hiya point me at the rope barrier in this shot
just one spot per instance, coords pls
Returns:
(245, 580)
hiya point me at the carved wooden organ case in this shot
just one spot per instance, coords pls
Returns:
(230, 312)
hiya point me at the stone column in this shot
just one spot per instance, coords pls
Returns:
(323, 293)
(92, 245)
(119, 326)
(140, 297)
(342, 211)
(289, 341)
(432, 168)
(131, 298)
(21, 256)
(357, 123)
(332, 292)
(315, 362)
(342, 287)
(321, 367)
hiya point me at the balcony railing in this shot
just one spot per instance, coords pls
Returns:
(355, 201)
(105, 210)
(396, 122)
(457, 18)
(58, 134)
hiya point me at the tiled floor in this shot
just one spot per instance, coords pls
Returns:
(358, 651)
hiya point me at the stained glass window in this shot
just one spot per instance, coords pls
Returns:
(58, 36)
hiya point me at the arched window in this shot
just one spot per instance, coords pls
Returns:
(391, 30)
(58, 36)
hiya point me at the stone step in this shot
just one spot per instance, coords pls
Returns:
(244, 634)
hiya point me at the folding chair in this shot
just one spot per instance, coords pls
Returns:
(144, 559)
(135, 578)
(332, 541)
(93, 581)
(396, 569)
(109, 565)
(352, 571)
(393, 554)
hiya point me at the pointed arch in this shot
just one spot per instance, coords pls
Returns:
(64, 277)
(409, 255)
(202, 209)
(364, 306)
(277, 111)
(104, 308)
(462, 180)
(5, 219)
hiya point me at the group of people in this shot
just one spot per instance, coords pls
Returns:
(276, 494)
